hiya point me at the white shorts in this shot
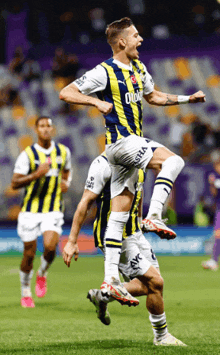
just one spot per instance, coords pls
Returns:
(125, 156)
(136, 256)
(32, 225)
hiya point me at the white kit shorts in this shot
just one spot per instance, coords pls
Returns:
(136, 256)
(32, 225)
(125, 156)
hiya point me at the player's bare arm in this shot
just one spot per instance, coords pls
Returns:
(71, 248)
(18, 180)
(159, 98)
(65, 182)
(72, 95)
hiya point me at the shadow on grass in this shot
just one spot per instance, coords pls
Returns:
(87, 345)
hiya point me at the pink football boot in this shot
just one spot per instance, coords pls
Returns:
(41, 286)
(27, 302)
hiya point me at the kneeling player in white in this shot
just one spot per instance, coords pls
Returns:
(137, 261)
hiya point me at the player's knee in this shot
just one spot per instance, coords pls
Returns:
(174, 162)
(180, 163)
(29, 251)
(50, 247)
(157, 284)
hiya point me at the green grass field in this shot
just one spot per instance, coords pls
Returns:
(65, 322)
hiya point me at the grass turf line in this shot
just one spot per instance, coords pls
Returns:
(65, 322)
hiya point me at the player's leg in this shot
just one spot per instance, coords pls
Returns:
(26, 273)
(51, 240)
(140, 263)
(122, 192)
(212, 264)
(28, 231)
(51, 228)
(168, 165)
(142, 153)
(119, 215)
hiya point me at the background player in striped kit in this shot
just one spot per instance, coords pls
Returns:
(44, 170)
(120, 84)
(137, 263)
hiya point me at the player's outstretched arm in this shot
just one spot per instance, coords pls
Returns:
(72, 95)
(18, 180)
(71, 248)
(159, 98)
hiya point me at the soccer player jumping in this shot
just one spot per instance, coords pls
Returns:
(120, 83)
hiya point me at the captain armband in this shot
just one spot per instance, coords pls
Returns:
(183, 99)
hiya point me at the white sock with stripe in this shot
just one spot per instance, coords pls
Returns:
(25, 279)
(159, 325)
(43, 267)
(113, 243)
(171, 168)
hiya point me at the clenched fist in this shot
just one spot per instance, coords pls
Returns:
(199, 96)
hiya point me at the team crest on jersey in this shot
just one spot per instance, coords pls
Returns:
(133, 79)
(49, 160)
(59, 159)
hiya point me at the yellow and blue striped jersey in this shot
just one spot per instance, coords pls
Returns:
(104, 208)
(125, 91)
(44, 194)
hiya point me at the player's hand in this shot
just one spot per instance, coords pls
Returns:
(199, 96)
(64, 186)
(104, 107)
(69, 250)
(42, 170)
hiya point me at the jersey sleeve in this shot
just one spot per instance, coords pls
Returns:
(148, 82)
(22, 164)
(92, 81)
(68, 159)
(98, 175)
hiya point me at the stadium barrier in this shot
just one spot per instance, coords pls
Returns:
(190, 240)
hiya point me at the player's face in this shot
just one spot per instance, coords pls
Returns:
(44, 129)
(132, 41)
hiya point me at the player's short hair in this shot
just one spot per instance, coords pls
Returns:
(41, 118)
(115, 28)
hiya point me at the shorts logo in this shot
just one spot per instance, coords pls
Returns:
(140, 154)
(135, 261)
(90, 183)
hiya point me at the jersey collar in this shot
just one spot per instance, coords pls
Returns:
(122, 65)
(43, 150)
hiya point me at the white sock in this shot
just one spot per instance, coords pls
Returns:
(43, 267)
(25, 279)
(159, 325)
(113, 243)
(102, 296)
(171, 168)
